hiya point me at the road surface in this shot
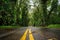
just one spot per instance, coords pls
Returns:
(33, 33)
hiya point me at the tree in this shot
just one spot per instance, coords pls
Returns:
(24, 13)
(46, 15)
(6, 12)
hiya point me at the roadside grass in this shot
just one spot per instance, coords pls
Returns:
(54, 26)
(13, 27)
(9, 27)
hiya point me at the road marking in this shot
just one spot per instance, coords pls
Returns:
(24, 35)
(30, 35)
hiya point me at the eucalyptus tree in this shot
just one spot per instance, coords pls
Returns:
(53, 12)
(24, 12)
(17, 12)
(36, 13)
(44, 7)
(45, 12)
(59, 10)
(21, 12)
(6, 12)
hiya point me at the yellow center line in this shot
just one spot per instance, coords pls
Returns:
(24, 35)
(30, 35)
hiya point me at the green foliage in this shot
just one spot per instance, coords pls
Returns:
(6, 13)
(16, 12)
(45, 16)
(54, 26)
(12, 13)
(9, 27)
(36, 18)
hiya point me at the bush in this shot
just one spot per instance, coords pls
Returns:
(54, 26)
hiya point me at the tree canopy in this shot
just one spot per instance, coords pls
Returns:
(29, 12)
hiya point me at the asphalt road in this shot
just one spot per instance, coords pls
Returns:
(33, 33)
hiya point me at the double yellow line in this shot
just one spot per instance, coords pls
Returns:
(25, 34)
(30, 35)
